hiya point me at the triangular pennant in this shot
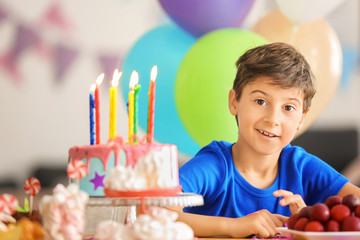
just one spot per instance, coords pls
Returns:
(9, 64)
(55, 16)
(64, 58)
(3, 14)
(26, 37)
(108, 64)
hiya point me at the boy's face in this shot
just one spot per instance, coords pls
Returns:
(268, 115)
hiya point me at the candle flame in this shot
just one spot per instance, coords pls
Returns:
(100, 79)
(153, 73)
(134, 80)
(92, 88)
(116, 78)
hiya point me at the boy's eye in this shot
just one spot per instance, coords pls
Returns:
(289, 108)
(260, 102)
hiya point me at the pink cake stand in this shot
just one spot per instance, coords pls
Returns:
(161, 192)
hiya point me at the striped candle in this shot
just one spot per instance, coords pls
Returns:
(151, 109)
(92, 109)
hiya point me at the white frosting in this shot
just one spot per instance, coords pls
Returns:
(152, 167)
(149, 173)
(158, 224)
(63, 213)
(121, 178)
(109, 230)
(5, 218)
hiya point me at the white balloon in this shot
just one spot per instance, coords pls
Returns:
(307, 10)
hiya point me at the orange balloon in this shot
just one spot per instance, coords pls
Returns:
(319, 44)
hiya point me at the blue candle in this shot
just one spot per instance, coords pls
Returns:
(92, 120)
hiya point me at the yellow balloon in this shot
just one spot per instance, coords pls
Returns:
(319, 44)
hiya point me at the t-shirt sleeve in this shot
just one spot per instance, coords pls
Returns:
(203, 173)
(320, 180)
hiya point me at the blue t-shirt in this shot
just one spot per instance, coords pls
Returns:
(213, 174)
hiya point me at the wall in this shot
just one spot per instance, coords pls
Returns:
(43, 115)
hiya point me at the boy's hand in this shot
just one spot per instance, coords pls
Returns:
(262, 223)
(295, 201)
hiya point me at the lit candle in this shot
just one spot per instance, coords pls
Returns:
(97, 106)
(136, 108)
(113, 102)
(134, 79)
(92, 120)
(151, 109)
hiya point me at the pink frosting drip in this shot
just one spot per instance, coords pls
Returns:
(103, 151)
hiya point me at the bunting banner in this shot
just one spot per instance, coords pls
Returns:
(108, 63)
(3, 14)
(64, 58)
(38, 36)
(25, 38)
(55, 16)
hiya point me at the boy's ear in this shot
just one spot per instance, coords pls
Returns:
(301, 123)
(233, 103)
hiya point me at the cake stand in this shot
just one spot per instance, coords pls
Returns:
(181, 199)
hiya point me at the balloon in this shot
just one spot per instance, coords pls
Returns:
(307, 10)
(204, 79)
(202, 16)
(319, 44)
(164, 46)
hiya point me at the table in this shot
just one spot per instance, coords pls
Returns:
(90, 236)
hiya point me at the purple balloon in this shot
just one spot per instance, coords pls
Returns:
(199, 17)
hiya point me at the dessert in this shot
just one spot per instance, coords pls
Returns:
(5, 219)
(63, 213)
(8, 203)
(151, 168)
(24, 229)
(158, 223)
(145, 165)
(17, 223)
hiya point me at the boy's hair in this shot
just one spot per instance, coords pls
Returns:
(280, 61)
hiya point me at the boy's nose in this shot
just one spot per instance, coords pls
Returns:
(272, 117)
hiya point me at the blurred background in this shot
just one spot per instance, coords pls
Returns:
(51, 52)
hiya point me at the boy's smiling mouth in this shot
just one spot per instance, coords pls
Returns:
(266, 133)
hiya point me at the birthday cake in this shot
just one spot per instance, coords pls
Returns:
(127, 167)
(119, 168)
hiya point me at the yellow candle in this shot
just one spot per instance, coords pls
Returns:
(134, 79)
(113, 103)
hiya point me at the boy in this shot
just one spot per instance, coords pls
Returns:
(252, 186)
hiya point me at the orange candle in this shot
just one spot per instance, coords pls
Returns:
(151, 109)
(97, 106)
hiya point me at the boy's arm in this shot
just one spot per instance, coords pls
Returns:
(261, 224)
(349, 188)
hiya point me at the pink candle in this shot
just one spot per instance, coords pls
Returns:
(151, 110)
(97, 107)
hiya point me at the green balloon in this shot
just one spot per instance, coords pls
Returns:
(203, 81)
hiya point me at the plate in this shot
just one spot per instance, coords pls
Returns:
(300, 235)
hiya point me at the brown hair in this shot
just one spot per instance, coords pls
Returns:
(280, 61)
